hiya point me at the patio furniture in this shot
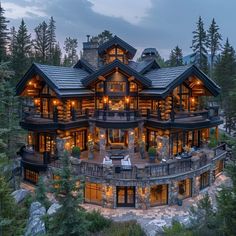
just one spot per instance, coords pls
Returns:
(126, 163)
(116, 156)
(107, 161)
(185, 155)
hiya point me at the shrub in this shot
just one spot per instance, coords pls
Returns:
(75, 151)
(129, 228)
(97, 221)
(152, 151)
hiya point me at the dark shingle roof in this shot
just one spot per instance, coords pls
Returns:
(63, 80)
(144, 65)
(161, 78)
(64, 77)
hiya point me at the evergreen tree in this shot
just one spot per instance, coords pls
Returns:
(41, 42)
(12, 46)
(70, 217)
(226, 202)
(225, 69)
(70, 46)
(199, 46)
(9, 113)
(214, 42)
(56, 55)
(3, 34)
(51, 39)
(176, 57)
(102, 37)
(21, 54)
(41, 193)
(7, 209)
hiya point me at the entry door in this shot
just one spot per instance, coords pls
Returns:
(125, 196)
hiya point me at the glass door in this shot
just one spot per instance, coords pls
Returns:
(125, 196)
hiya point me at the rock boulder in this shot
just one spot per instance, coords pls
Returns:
(20, 194)
(35, 225)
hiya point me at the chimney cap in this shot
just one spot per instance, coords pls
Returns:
(88, 37)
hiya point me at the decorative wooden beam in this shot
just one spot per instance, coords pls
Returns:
(131, 78)
(101, 78)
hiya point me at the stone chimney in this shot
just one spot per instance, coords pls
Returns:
(90, 52)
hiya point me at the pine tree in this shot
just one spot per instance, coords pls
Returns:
(102, 37)
(21, 54)
(199, 46)
(70, 217)
(226, 203)
(225, 69)
(176, 57)
(214, 42)
(12, 46)
(70, 46)
(3, 34)
(51, 39)
(56, 55)
(41, 193)
(9, 113)
(41, 42)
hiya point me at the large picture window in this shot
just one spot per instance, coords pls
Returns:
(159, 195)
(93, 193)
(116, 87)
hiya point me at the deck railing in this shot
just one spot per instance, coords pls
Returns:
(174, 167)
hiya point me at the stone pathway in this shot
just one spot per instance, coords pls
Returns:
(153, 219)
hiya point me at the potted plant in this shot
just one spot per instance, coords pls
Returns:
(152, 154)
(76, 151)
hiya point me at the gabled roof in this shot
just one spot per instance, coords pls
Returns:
(62, 80)
(164, 80)
(84, 65)
(144, 66)
(116, 64)
(117, 41)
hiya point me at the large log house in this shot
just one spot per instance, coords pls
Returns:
(118, 106)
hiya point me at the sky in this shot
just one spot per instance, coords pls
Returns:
(162, 24)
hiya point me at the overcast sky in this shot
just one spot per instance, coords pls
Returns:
(162, 24)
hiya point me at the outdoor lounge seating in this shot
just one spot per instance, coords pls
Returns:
(126, 163)
(107, 161)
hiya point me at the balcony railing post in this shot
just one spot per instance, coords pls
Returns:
(55, 114)
(73, 114)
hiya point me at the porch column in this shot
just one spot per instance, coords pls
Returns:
(102, 142)
(140, 130)
(195, 185)
(60, 144)
(131, 142)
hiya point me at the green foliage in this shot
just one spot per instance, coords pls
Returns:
(70, 46)
(177, 229)
(21, 51)
(41, 193)
(13, 218)
(3, 34)
(75, 151)
(199, 46)
(152, 151)
(213, 141)
(70, 218)
(176, 57)
(226, 202)
(97, 221)
(102, 37)
(214, 39)
(129, 228)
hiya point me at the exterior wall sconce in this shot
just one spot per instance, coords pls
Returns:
(192, 100)
(54, 102)
(127, 100)
(30, 83)
(73, 103)
(105, 99)
(36, 101)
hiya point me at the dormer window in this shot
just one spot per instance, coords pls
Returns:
(116, 53)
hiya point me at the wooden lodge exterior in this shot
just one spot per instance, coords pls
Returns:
(118, 105)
